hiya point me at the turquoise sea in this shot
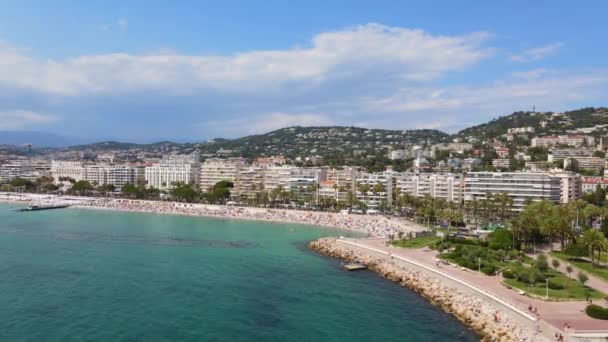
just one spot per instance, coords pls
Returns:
(83, 275)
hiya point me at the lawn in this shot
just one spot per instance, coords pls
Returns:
(572, 288)
(418, 242)
(601, 272)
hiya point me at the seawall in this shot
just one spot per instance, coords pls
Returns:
(486, 319)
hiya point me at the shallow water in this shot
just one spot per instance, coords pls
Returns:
(108, 276)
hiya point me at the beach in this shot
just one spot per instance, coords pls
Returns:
(369, 225)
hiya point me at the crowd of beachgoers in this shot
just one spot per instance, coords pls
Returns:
(370, 225)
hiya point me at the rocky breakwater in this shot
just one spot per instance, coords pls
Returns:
(487, 320)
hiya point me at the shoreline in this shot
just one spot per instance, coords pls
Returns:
(473, 311)
(372, 226)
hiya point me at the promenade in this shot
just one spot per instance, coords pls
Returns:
(552, 316)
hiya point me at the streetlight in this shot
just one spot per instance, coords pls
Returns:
(479, 261)
(547, 288)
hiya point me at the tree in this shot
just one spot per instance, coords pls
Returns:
(500, 239)
(555, 263)
(541, 263)
(184, 192)
(582, 278)
(82, 187)
(594, 241)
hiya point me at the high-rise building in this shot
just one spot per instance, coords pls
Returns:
(215, 170)
(165, 174)
(67, 169)
(521, 187)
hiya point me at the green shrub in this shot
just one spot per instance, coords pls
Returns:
(576, 249)
(508, 274)
(596, 311)
(553, 285)
(500, 239)
(523, 276)
(489, 269)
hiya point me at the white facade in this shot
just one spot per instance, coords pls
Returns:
(570, 140)
(521, 187)
(117, 175)
(249, 182)
(11, 171)
(164, 175)
(216, 170)
(70, 169)
(445, 186)
(374, 199)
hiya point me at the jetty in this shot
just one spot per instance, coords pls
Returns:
(36, 207)
(354, 267)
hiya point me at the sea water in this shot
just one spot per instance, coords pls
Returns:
(87, 275)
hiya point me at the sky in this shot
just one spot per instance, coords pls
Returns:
(146, 71)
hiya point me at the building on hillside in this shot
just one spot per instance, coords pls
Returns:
(586, 163)
(165, 175)
(67, 169)
(215, 170)
(590, 184)
(502, 152)
(569, 140)
(501, 163)
(269, 161)
(559, 154)
(518, 130)
(521, 187)
(454, 147)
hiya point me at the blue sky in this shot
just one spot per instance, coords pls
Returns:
(192, 70)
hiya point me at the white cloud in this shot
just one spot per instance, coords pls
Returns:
(409, 55)
(445, 108)
(536, 53)
(18, 119)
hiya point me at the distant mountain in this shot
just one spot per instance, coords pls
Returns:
(36, 139)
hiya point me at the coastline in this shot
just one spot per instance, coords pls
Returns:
(475, 312)
(372, 226)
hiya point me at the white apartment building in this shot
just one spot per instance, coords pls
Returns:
(374, 199)
(11, 171)
(586, 163)
(590, 184)
(215, 170)
(344, 179)
(70, 169)
(557, 154)
(570, 140)
(518, 130)
(249, 182)
(521, 187)
(446, 186)
(117, 175)
(303, 180)
(501, 163)
(277, 176)
(164, 175)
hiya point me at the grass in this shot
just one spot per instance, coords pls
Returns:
(572, 288)
(418, 242)
(601, 272)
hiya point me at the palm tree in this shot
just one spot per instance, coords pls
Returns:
(594, 241)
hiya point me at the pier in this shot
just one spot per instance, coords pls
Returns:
(354, 267)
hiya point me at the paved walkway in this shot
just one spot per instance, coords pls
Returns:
(556, 314)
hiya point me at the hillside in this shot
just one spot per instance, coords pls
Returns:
(585, 120)
(324, 141)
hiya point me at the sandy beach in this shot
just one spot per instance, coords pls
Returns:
(369, 225)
